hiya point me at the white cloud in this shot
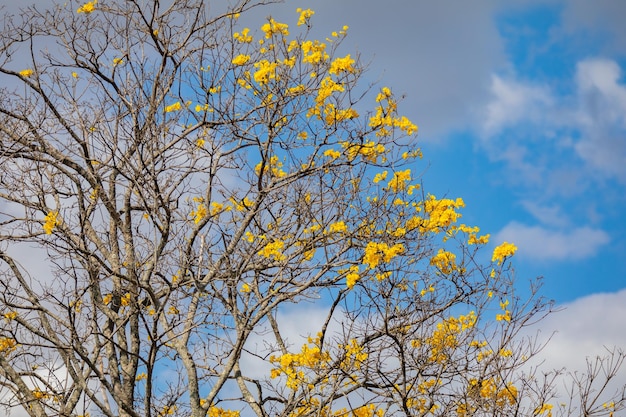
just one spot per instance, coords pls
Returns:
(548, 215)
(525, 123)
(602, 116)
(583, 329)
(537, 242)
(514, 102)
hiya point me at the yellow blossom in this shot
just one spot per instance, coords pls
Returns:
(26, 73)
(399, 180)
(340, 65)
(274, 27)
(380, 177)
(199, 214)
(265, 72)
(11, 315)
(173, 107)
(338, 227)
(87, 7)
(245, 288)
(241, 59)
(50, 221)
(7, 345)
(545, 408)
(504, 317)
(274, 167)
(313, 52)
(375, 253)
(243, 37)
(503, 251)
(353, 276)
(305, 15)
(273, 250)
(332, 153)
(117, 61)
(125, 300)
(445, 261)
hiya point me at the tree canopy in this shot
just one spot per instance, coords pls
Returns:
(172, 180)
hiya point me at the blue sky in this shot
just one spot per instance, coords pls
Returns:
(522, 112)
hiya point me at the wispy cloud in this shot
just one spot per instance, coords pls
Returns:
(584, 328)
(602, 116)
(514, 102)
(588, 125)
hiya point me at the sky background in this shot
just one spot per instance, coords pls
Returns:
(521, 106)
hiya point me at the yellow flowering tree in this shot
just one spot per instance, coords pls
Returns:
(182, 178)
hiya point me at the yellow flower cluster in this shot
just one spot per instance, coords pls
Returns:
(7, 345)
(472, 232)
(244, 36)
(50, 221)
(441, 214)
(327, 87)
(273, 250)
(375, 253)
(314, 52)
(241, 59)
(544, 409)
(370, 151)
(340, 65)
(444, 337)
(242, 205)
(445, 261)
(333, 115)
(199, 213)
(488, 389)
(369, 410)
(354, 356)
(87, 7)
(399, 181)
(220, 412)
(331, 153)
(384, 121)
(289, 364)
(173, 107)
(26, 73)
(353, 276)
(11, 315)
(337, 227)
(305, 15)
(125, 300)
(40, 395)
(273, 27)
(507, 314)
(168, 410)
(274, 167)
(503, 251)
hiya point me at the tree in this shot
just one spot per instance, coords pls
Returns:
(180, 179)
